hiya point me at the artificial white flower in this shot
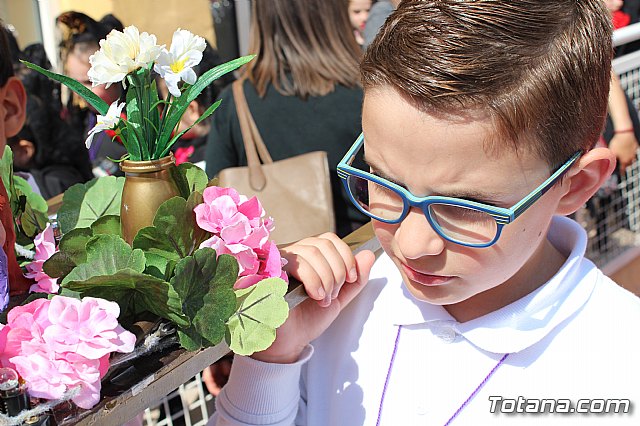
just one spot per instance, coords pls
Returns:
(106, 122)
(121, 53)
(176, 63)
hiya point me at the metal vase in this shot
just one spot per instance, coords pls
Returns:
(147, 185)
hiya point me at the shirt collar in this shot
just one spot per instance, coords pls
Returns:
(524, 322)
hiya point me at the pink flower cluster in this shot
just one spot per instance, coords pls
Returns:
(63, 343)
(240, 229)
(45, 247)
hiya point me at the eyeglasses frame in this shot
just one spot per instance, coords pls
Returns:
(503, 216)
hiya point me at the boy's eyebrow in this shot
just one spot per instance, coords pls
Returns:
(491, 198)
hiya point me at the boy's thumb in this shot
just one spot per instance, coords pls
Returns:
(364, 262)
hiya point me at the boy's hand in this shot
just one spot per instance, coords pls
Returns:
(323, 264)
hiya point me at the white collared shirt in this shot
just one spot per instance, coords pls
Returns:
(576, 337)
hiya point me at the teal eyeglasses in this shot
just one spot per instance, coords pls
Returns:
(460, 221)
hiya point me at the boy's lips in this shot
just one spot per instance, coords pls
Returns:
(424, 278)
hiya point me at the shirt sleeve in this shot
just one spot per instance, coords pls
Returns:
(260, 393)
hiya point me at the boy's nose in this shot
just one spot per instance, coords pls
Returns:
(416, 238)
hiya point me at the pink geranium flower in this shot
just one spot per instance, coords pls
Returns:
(45, 247)
(239, 228)
(68, 342)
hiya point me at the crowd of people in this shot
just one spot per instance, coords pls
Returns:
(515, 299)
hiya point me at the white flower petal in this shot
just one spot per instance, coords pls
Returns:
(172, 81)
(89, 140)
(189, 76)
(121, 53)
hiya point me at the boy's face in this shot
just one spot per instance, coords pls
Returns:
(446, 156)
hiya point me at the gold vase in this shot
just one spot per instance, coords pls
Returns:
(147, 185)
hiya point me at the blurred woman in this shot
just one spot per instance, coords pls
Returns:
(302, 90)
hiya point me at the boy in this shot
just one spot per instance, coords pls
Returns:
(479, 122)
(13, 106)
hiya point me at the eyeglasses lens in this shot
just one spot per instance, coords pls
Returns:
(458, 223)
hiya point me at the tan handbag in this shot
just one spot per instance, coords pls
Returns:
(296, 191)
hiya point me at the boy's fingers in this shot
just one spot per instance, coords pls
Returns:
(364, 262)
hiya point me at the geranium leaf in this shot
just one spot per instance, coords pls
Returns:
(83, 203)
(92, 99)
(205, 285)
(134, 292)
(261, 309)
(33, 215)
(189, 178)
(106, 255)
(72, 252)
(174, 234)
(109, 224)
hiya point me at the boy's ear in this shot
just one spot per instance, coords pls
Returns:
(14, 103)
(585, 178)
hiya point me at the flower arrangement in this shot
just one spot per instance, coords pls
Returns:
(205, 265)
(63, 343)
(129, 58)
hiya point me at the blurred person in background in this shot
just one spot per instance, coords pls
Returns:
(191, 146)
(377, 15)
(302, 89)
(304, 94)
(80, 40)
(358, 15)
(54, 157)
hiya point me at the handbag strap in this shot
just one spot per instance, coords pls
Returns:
(254, 146)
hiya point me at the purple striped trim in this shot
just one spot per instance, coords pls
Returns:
(386, 381)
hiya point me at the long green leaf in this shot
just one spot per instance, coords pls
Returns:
(92, 99)
(204, 116)
(180, 104)
(135, 122)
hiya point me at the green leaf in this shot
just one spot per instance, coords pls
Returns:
(205, 285)
(109, 224)
(72, 252)
(83, 203)
(204, 116)
(6, 169)
(136, 137)
(58, 265)
(32, 215)
(134, 292)
(189, 178)
(174, 234)
(92, 99)
(106, 255)
(180, 104)
(261, 309)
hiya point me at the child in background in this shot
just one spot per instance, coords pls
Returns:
(358, 14)
(619, 17)
(480, 119)
(13, 105)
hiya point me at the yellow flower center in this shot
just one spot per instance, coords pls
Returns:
(178, 66)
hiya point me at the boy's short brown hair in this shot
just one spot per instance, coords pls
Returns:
(540, 68)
